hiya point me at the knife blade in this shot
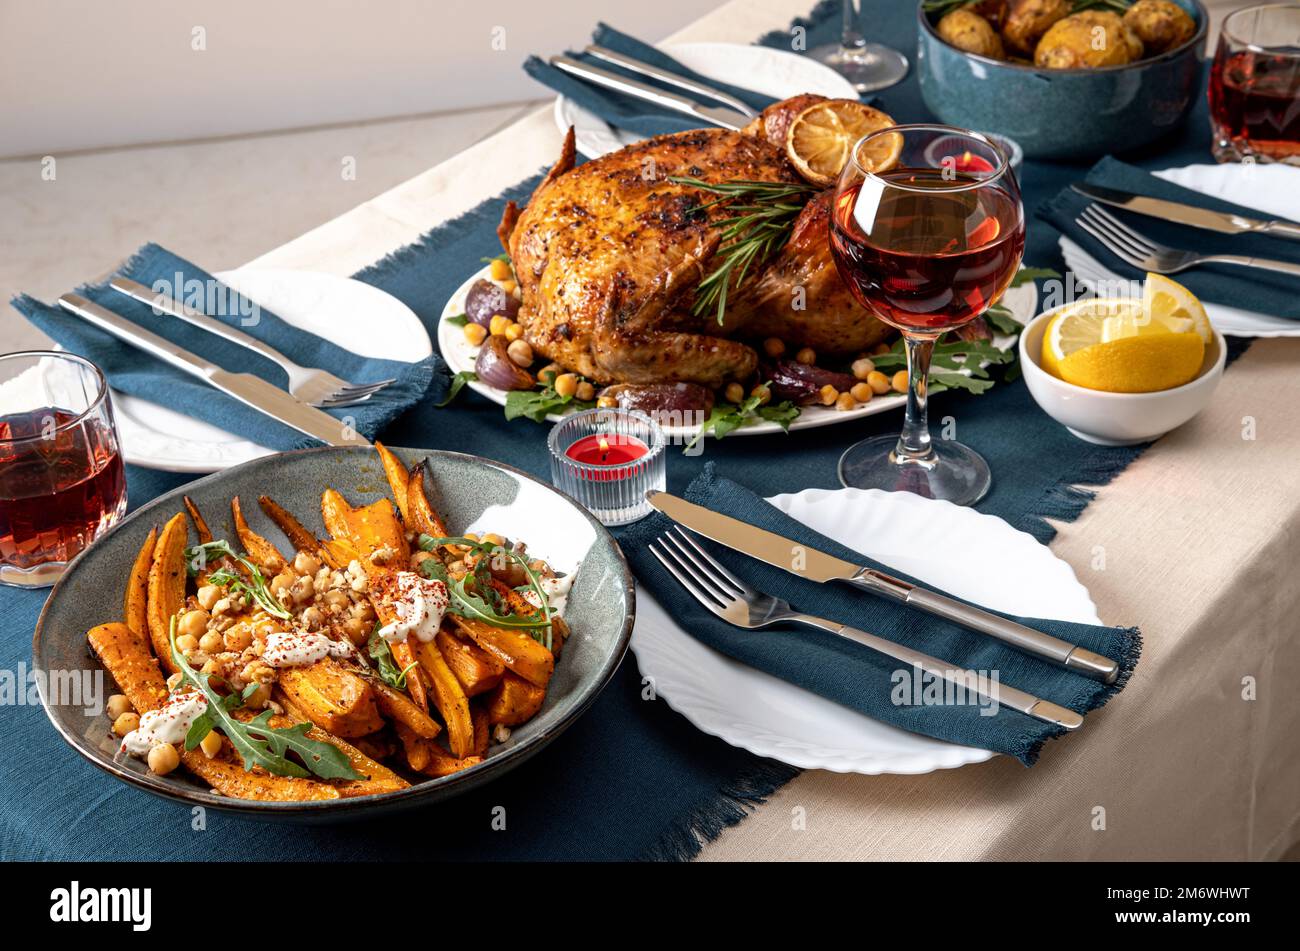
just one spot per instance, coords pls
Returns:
(248, 389)
(805, 562)
(717, 115)
(1221, 221)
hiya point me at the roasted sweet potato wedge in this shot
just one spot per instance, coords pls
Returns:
(395, 472)
(378, 777)
(482, 727)
(376, 529)
(517, 650)
(167, 587)
(419, 750)
(448, 697)
(398, 708)
(420, 515)
(200, 523)
(335, 512)
(226, 774)
(135, 603)
(332, 697)
(514, 701)
(525, 608)
(260, 551)
(476, 669)
(443, 764)
(299, 537)
(126, 655)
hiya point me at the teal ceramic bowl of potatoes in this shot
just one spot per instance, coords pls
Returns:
(1064, 84)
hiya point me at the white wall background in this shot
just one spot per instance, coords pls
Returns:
(79, 74)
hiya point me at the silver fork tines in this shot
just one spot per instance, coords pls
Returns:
(742, 605)
(1139, 251)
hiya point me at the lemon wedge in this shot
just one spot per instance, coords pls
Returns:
(1129, 345)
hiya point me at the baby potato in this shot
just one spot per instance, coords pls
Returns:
(995, 11)
(1086, 40)
(1027, 20)
(1160, 24)
(972, 33)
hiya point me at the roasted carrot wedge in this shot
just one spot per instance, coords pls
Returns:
(419, 514)
(517, 650)
(135, 605)
(476, 669)
(514, 701)
(167, 587)
(448, 697)
(263, 554)
(396, 474)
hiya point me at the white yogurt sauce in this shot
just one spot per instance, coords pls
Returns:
(419, 604)
(557, 593)
(301, 648)
(168, 724)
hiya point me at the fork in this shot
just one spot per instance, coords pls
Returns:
(306, 384)
(1141, 252)
(731, 599)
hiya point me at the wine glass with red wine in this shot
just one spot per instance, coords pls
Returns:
(926, 246)
(62, 482)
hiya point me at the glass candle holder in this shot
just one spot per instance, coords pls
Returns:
(607, 459)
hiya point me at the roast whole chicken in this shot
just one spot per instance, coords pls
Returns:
(609, 254)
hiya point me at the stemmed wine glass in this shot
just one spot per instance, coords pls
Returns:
(926, 246)
(868, 66)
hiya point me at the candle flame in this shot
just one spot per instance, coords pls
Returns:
(604, 444)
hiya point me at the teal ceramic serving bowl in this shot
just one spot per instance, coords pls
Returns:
(1062, 113)
(471, 494)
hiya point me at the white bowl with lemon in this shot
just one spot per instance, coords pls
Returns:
(1121, 371)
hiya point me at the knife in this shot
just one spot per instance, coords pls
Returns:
(715, 115)
(818, 566)
(1221, 221)
(670, 79)
(248, 389)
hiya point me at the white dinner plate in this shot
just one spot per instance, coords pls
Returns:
(460, 356)
(1273, 190)
(772, 72)
(928, 539)
(353, 315)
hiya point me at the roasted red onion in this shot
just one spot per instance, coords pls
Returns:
(662, 398)
(495, 368)
(801, 383)
(485, 300)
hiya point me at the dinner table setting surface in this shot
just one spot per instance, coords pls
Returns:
(1193, 539)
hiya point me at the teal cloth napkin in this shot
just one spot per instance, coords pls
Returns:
(861, 678)
(623, 111)
(134, 372)
(1264, 292)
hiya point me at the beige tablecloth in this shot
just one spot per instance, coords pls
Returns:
(1200, 542)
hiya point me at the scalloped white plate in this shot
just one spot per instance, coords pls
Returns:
(769, 71)
(928, 539)
(356, 316)
(460, 356)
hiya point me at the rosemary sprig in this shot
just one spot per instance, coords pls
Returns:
(764, 212)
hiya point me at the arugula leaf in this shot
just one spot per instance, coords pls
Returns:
(1001, 319)
(503, 256)
(783, 413)
(727, 417)
(457, 384)
(256, 587)
(540, 403)
(457, 320)
(258, 744)
(1027, 274)
(382, 655)
(465, 603)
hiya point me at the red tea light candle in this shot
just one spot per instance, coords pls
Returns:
(607, 459)
(969, 162)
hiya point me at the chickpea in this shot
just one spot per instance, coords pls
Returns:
(734, 393)
(211, 643)
(828, 395)
(222, 606)
(585, 392)
(313, 618)
(306, 564)
(878, 382)
(807, 356)
(187, 643)
(845, 402)
(117, 705)
(475, 334)
(302, 590)
(863, 366)
(163, 759)
(340, 598)
(209, 595)
(211, 744)
(774, 347)
(258, 698)
(514, 332)
(566, 384)
(238, 638)
(899, 382)
(499, 270)
(210, 666)
(282, 582)
(520, 353)
(126, 722)
(357, 629)
(607, 402)
(549, 373)
(879, 348)
(509, 285)
(193, 623)
(470, 536)
(862, 392)
(498, 324)
(493, 539)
